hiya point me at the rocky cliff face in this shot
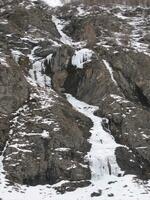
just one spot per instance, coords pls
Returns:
(101, 56)
(117, 78)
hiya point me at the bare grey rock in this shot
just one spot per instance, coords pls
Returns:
(14, 89)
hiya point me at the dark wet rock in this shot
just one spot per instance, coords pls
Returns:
(45, 49)
(71, 186)
(111, 182)
(110, 195)
(96, 194)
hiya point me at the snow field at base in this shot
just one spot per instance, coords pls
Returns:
(119, 189)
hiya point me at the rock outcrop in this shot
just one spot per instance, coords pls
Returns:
(48, 142)
(14, 91)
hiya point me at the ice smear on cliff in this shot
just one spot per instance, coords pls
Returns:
(81, 57)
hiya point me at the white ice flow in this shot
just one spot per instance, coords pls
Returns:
(102, 154)
(38, 77)
(81, 57)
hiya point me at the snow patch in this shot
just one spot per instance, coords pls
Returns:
(45, 134)
(119, 99)
(62, 149)
(53, 3)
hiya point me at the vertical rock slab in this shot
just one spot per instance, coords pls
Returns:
(13, 88)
